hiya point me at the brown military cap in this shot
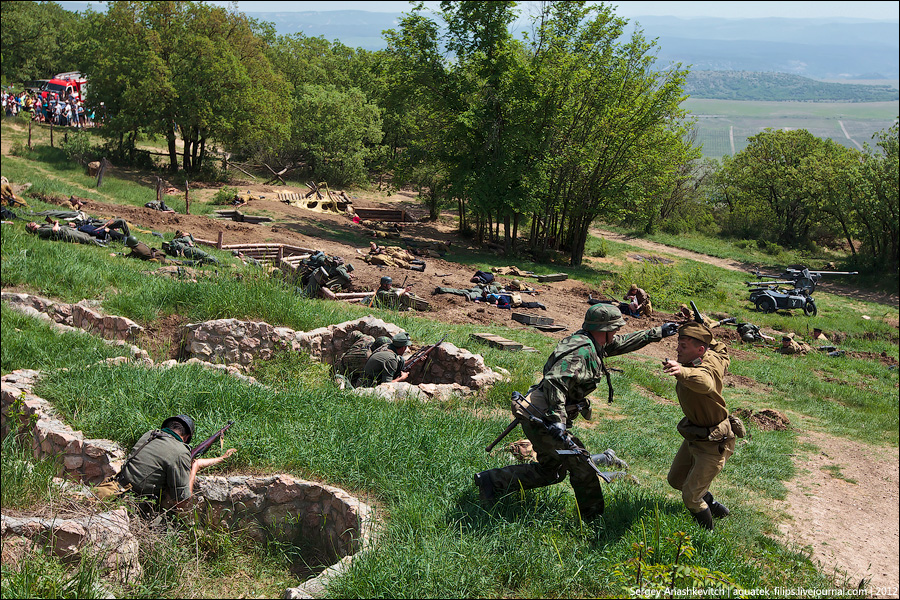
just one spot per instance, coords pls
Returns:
(696, 331)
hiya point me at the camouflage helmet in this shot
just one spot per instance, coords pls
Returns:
(401, 340)
(131, 241)
(386, 280)
(381, 342)
(602, 317)
(185, 421)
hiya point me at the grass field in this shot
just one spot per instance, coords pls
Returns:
(414, 459)
(716, 118)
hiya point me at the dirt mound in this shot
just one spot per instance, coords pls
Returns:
(767, 419)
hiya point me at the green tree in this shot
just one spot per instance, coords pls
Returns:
(190, 69)
(36, 40)
(879, 205)
(335, 130)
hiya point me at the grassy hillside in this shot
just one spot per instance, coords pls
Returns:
(415, 460)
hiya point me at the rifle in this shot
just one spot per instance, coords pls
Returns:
(697, 316)
(576, 408)
(421, 355)
(206, 444)
(573, 448)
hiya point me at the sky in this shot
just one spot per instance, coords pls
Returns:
(738, 10)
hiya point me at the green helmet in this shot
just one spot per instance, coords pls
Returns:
(401, 340)
(131, 241)
(186, 422)
(386, 281)
(602, 317)
(381, 341)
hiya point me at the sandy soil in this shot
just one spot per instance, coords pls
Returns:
(851, 526)
(844, 506)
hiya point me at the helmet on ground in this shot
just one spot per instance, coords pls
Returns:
(386, 280)
(186, 422)
(401, 340)
(131, 241)
(602, 317)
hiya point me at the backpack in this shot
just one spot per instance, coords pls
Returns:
(482, 278)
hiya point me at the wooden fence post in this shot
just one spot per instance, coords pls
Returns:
(221, 238)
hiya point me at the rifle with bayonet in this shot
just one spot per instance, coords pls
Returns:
(526, 412)
(206, 444)
(421, 355)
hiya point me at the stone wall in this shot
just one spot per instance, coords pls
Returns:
(278, 506)
(81, 316)
(90, 460)
(106, 536)
(287, 509)
(451, 370)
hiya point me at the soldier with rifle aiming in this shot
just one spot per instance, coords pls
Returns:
(162, 464)
(570, 374)
(387, 365)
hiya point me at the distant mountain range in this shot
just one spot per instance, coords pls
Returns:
(816, 48)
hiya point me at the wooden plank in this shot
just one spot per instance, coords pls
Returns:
(381, 214)
(528, 319)
(552, 277)
(495, 341)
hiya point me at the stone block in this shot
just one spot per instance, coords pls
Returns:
(72, 462)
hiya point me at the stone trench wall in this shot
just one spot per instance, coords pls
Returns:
(451, 369)
(280, 506)
(80, 315)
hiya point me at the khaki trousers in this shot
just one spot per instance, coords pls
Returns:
(694, 467)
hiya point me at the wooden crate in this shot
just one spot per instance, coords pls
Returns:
(552, 277)
(527, 319)
(495, 341)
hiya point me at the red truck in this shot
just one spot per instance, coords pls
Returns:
(65, 85)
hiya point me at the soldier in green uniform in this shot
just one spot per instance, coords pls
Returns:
(183, 245)
(64, 233)
(570, 374)
(708, 437)
(390, 297)
(386, 365)
(159, 466)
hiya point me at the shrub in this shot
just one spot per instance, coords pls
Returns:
(76, 145)
(225, 195)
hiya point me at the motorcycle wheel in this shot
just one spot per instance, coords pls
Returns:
(766, 305)
(810, 309)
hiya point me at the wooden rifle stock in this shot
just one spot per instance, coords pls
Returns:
(206, 444)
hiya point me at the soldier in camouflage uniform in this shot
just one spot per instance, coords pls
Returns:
(570, 374)
(183, 245)
(353, 361)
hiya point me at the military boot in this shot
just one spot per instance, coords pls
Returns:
(609, 459)
(717, 509)
(704, 519)
(485, 484)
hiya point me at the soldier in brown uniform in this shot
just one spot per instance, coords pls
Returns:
(708, 438)
(791, 346)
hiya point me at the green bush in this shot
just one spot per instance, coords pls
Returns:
(76, 145)
(225, 195)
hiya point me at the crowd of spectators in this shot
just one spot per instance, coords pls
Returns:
(47, 107)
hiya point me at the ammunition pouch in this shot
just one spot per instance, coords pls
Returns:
(737, 426)
(110, 488)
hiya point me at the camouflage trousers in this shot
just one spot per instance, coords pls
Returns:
(694, 467)
(552, 468)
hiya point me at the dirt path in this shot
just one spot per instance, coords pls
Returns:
(838, 289)
(844, 505)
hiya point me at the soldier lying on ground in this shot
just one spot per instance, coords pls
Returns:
(183, 245)
(63, 234)
(142, 251)
(790, 346)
